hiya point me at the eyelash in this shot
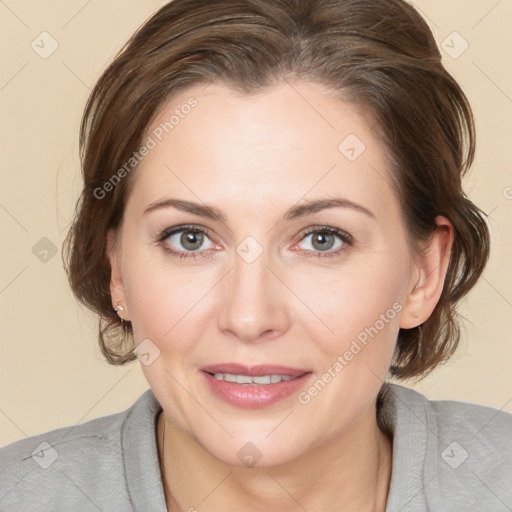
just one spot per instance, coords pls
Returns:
(164, 235)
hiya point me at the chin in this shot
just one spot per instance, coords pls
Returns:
(252, 454)
(251, 447)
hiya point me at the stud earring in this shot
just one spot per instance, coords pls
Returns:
(118, 309)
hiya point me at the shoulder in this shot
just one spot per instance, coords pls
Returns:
(465, 450)
(75, 466)
(452, 416)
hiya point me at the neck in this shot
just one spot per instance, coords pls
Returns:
(353, 472)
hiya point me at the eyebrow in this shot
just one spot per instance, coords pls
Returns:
(297, 211)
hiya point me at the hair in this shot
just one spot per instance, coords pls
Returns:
(378, 54)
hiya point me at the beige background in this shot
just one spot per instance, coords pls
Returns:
(51, 371)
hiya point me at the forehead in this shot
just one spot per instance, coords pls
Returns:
(287, 142)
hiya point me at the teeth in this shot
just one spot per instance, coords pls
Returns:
(246, 379)
(262, 379)
(243, 379)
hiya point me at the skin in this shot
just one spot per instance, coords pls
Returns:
(253, 158)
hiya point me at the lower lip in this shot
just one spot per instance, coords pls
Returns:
(254, 396)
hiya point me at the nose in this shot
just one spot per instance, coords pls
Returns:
(254, 302)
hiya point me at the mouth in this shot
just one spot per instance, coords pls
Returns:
(254, 386)
(246, 379)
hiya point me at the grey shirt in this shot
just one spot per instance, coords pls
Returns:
(447, 456)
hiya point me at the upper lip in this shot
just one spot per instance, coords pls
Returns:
(254, 370)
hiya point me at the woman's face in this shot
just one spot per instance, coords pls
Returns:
(240, 272)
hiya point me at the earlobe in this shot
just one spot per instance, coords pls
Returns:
(432, 267)
(117, 291)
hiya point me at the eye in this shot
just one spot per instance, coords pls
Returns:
(186, 241)
(194, 242)
(330, 241)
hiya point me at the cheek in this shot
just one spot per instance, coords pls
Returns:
(362, 310)
(355, 299)
(166, 305)
(152, 307)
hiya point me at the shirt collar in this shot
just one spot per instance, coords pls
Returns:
(140, 450)
(398, 414)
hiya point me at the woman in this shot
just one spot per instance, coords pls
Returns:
(273, 223)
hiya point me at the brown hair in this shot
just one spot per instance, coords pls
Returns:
(379, 54)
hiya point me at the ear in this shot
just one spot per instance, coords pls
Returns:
(117, 290)
(428, 280)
